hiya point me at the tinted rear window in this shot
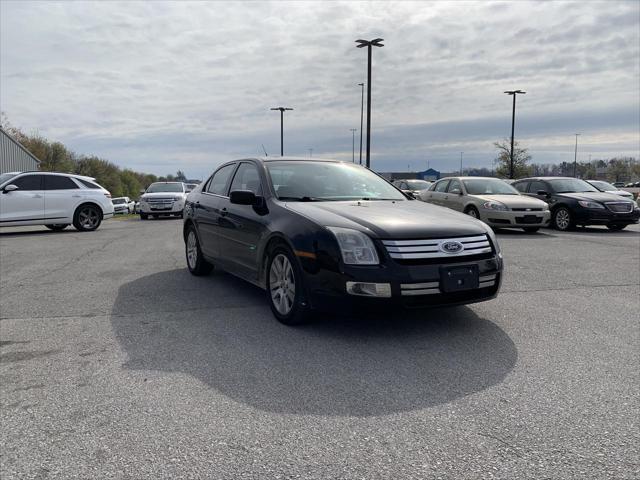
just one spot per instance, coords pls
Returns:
(87, 184)
(58, 182)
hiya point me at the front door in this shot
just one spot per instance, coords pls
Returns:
(24, 206)
(454, 199)
(244, 225)
(438, 193)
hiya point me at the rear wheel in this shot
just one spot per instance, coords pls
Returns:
(562, 219)
(285, 288)
(196, 263)
(616, 228)
(531, 229)
(57, 227)
(87, 218)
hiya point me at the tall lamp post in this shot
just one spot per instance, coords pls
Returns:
(353, 144)
(513, 93)
(575, 156)
(361, 44)
(282, 109)
(461, 163)
(361, 117)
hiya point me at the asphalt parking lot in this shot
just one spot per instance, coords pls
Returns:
(116, 363)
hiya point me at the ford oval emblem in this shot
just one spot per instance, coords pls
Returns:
(451, 247)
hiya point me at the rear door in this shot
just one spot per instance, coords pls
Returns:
(210, 209)
(61, 195)
(24, 206)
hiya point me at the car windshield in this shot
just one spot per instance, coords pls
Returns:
(6, 176)
(604, 186)
(489, 186)
(165, 187)
(571, 185)
(418, 184)
(117, 201)
(328, 181)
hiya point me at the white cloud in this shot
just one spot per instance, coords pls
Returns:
(158, 86)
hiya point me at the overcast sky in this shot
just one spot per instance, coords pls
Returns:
(161, 86)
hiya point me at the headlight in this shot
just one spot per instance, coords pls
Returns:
(587, 204)
(356, 247)
(495, 206)
(177, 198)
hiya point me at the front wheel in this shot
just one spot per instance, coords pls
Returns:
(472, 212)
(531, 229)
(616, 228)
(562, 219)
(87, 218)
(285, 288)
(57, 227)
(196, 263)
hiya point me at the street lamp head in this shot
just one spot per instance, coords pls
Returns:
(376, 42)
(361, 43)
(361, 84)
(282, 109)
(513, 92)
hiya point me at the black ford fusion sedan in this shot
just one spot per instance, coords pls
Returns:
(575, 202)
(318, 234)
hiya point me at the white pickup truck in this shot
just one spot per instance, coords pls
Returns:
(163, 198)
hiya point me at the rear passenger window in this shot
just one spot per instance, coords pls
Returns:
(442, 186)
(535, 186)
(521, 186)
(29, 182)
(87, 184)
(218, 183)
(58, 182)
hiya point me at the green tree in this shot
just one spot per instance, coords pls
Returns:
(521, 158)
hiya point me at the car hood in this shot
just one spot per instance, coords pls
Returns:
(163, 194)
(391, 220)
(621, 193)
(594, 196)
(512, 201)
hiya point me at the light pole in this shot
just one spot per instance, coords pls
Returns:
(575, 156)
(361, 44)
(310, 152)
(513, 93)
(361, 117)
(461, 163)
(282, 109)
(353, 144)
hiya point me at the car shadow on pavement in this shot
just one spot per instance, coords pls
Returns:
(220, 330)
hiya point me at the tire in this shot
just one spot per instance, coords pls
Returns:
(143, 216)
(196, 262)
(87, 218)
(472, 212)
(616, 228)
(285, 288)
(531, 229)
(57, 227)
(562, 219)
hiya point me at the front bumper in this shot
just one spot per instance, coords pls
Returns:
(174, 208)
(412, 286)
(520, 219)
(588, 216)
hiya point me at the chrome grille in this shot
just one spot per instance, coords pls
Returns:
(433, 288)
(431, 248)
(620, 207)
(160, 200)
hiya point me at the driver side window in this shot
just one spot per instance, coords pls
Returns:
(442, 186)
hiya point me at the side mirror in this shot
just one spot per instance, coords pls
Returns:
(456, 191)
(142, 191)
(10, 188)
(543, 193)
(243, 197)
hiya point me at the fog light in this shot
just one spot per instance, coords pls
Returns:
(369, 289)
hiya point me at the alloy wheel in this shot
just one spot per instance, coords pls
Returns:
(88, 218)
(282, 284)
(563, 219)
(192, 249)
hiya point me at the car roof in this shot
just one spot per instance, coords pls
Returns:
(295, 159)
(74, 175)
(548, 178)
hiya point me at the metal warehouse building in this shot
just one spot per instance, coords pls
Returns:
(14, 157)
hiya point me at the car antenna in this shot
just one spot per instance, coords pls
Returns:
(265, 150)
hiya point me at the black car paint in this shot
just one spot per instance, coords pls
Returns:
(581, 215)
(236, 238)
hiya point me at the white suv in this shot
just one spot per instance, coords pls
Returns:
(163, 198)
(55, 200)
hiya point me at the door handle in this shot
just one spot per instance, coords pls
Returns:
(223, 212)
(37, 196)
(76, 196)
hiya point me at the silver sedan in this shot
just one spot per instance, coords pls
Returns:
(491, 200)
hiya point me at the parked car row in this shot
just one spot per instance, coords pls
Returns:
(531, 203)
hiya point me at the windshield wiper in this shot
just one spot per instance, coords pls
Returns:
(302, 199)
(567, 191)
